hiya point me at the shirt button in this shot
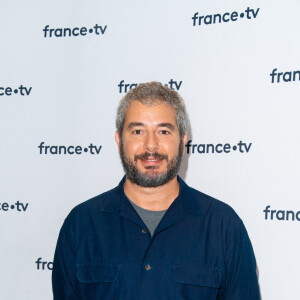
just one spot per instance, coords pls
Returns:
(144, 230)
(147, 267)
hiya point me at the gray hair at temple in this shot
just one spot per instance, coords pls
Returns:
(149, 94)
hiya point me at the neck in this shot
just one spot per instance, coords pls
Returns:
(158, 198)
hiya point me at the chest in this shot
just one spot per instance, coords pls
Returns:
(115, 239)
(181, 261)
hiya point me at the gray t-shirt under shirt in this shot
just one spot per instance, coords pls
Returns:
(151, 218)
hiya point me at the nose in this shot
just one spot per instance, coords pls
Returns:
(151, 143)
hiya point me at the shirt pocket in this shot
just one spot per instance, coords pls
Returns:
(98, 281)
(196, 282)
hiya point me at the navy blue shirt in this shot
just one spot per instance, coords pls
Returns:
(199, 250)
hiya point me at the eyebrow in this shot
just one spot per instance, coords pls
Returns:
(140, 124)
(168, 125)
(134, 124)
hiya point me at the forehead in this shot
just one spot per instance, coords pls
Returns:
(157, 112)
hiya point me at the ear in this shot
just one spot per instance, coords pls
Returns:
(118, 140)
(184, 139)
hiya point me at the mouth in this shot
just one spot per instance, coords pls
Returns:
(151, 161)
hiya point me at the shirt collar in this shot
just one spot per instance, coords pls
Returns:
(185, 203)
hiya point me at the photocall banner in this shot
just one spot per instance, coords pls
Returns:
(65, 65)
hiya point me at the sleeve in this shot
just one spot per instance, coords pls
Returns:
(241, 279)
(64, 264)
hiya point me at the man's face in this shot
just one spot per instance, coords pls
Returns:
(150, 147)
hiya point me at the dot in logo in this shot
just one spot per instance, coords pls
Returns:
(16, 91)
(91, 30)
(234, 148)
(85, 149)
(12, 206)
(242, 15)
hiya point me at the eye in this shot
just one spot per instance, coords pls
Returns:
(137, 132)
(165, 132)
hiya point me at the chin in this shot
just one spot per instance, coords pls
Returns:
(152, 171)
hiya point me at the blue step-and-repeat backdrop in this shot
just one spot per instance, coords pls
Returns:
(66, 64)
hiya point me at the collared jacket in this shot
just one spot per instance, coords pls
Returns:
(199, 250)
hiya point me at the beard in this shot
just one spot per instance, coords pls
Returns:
(151, 179)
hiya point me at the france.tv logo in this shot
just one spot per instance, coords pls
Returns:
(76, 31)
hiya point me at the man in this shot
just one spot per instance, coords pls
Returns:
(153, 237)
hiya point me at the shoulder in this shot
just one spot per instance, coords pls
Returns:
(207, 205)
(107, 201)
(104, 200)
(219, 217)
